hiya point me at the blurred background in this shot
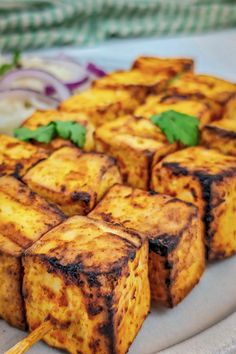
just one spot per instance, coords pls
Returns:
(30, 24)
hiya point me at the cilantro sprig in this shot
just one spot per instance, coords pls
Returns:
(15, 63)
(178, 126)
(72, 131)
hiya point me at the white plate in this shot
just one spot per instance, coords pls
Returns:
(205, 322)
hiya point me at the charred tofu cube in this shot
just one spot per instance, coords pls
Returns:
(24, 218)
(135, 143)
(101, 105)
(206, 178)
(205, 110)
(16, 156)
(137, 83)
(91, 279)
(230, 109)
(73, 179)
(41, 118)
(220, 135)
(201, 86)
(156, 65)
(173, 228)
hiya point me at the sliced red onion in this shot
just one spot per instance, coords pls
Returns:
(29, 95)
(71, 73)
(48, 79)
(95, 70)
(49, 90)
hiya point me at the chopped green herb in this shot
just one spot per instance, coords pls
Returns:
(15, 62)
(178, 127)
(67, 130)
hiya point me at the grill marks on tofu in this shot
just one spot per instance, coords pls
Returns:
(16, 156)
(206, 178)
(101, 105)
(230, 109)
(173, 228)
(205, 110)
(74, 180)
(155, 65)
(135, 82)
(41, 118)
(135, 143)
(220, 135)
(201, 86)
(24, 218)
(88, 269)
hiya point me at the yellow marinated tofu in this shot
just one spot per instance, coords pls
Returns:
(138, 84)
(73, 179)
(201, 86)
(230, 109)
(173, 228)
(135, 143)
(205, 110)
(156, 65)
(91, 280)
(24, 218)
(101, 105)
(41, 118)
(220, 135)
(16, 156)
(206, 178)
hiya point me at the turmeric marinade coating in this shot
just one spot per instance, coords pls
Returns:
(41, 118)
(155, 65)
(201, 86)
(24, 218)
(73, 179)
(206, 178)
(220, 135)
(230, 109)
(135, 143)
(101, 105)
(205, 109)
(135, 82)
(91, 279)
(173, 228)
(16, 156)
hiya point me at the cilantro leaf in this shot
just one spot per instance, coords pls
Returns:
(66, 130)
(15, 62)
(78, 133)
(23, 134)
(178, 127)
(63, 129)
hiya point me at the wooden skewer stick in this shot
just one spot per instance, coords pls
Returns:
(35, 336)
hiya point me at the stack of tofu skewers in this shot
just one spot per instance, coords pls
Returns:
(89, 236)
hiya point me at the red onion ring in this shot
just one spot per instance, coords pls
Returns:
(27, 94)
(95, 70)
(49, 79)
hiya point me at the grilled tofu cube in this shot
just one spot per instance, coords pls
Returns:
(73, 179)
(206, 178)
(220, 135)
(138, 84)
(16, 156)
(201, 86)
(205, 110)
(156, 65)
(230, 109)
(173, 228)
(101, 105)
(91, 279)
(135, 143)
(40, 118)
(24, 218)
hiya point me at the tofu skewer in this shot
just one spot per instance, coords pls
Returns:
(25, 344)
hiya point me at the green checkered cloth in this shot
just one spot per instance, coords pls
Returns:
(29, 24)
